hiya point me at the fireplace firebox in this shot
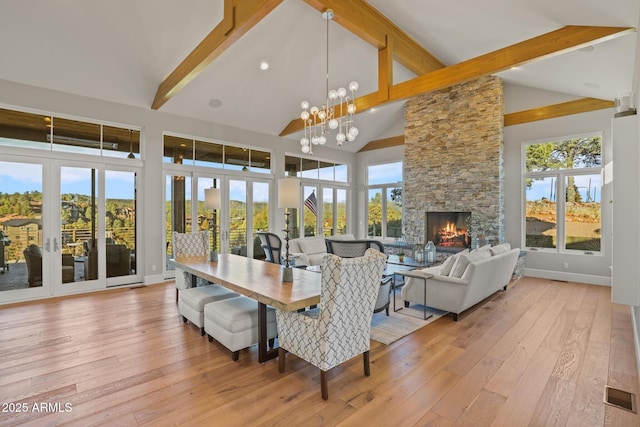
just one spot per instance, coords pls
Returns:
(448, 229)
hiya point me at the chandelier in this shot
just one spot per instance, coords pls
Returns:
(336, 113)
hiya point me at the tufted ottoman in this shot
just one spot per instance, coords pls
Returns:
(234, 323)
(191, 302)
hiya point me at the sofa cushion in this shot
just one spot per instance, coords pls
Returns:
(313, 246)
(457, 257)
(460, 266)
(447, 265)
(500, 249)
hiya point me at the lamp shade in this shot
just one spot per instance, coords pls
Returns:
(212, 198)
(288, 193)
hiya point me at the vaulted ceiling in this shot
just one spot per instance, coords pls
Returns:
(148, 53)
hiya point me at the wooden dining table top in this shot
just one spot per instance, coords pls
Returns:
(256, 279)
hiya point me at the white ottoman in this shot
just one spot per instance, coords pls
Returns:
(234, 323)
(191, 302)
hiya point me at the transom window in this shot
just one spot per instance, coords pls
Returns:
(562, 186)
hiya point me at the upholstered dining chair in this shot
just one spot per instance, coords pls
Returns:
(186, 245)
(340, 327)
(191, 300)
(272, 246)
(357, 248)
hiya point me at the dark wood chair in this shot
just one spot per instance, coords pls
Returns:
(272, 246)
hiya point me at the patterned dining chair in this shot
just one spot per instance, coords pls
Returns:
(356, 248)
(339, 328)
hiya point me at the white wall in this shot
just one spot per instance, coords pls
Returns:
(154, 123)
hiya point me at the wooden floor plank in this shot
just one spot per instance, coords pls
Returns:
(538, 354)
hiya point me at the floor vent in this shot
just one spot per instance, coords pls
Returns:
(138, 287)
(620, 398)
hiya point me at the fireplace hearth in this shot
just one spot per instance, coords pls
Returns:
(448, 229)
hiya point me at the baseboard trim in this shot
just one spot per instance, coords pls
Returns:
(568, 277)
(155, 279)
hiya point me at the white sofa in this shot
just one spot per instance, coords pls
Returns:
(311, 250)
(465, 279)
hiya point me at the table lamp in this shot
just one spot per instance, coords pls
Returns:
(212, 201)
(288, 198)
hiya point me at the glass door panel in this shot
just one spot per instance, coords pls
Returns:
(310, 211)
(177, 208)
(208, 219)
(78, 224)
(260, 215)
(23, 274)
(120, 223)
(237, 208)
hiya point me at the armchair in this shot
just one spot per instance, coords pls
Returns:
(33, 258)
(118, 261)
(357, 248)
(340, 327)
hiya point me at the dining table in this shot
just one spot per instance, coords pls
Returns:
(259, 280)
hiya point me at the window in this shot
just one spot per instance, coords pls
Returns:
(571, 168)
(324, 196)
(46, 132)
(189, 151)
(384, 200)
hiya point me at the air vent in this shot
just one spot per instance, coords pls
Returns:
(620, 398)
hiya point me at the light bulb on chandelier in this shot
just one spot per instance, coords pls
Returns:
(337, 113)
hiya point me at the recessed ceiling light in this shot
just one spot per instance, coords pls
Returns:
(586, 49)
(592, 85)
(215, 103)
(264, 65)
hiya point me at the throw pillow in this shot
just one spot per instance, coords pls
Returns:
(500, 249)
(312, 246)
(447, 265)
(457, 257)
(461, 265)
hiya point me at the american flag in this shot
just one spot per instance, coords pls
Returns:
(311, 202)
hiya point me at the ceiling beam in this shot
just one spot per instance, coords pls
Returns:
(383, 143)
(578, 106)
(556, 42)
(366, 22)
(583, 105)
(239, 17)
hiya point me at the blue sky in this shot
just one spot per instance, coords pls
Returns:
(22, 177)
(585, 184)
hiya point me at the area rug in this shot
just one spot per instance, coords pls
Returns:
(388, 329)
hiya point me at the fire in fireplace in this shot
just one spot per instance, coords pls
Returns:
(448, 229)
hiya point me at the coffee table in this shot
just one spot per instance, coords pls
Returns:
(417, 274)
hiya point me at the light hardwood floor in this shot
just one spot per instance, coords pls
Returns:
(539, 354)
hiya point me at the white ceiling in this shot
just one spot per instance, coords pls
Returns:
(121, 50)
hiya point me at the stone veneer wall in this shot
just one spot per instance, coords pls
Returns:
(454, 155)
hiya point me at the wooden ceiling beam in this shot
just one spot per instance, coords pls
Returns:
(583, 105)
(366, 22)
(239, 17)
(556, 42)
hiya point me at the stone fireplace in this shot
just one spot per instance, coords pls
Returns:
(454, 156)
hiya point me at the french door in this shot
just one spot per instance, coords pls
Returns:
(67, 227)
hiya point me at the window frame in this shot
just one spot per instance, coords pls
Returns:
(384, 188)
(560, 176)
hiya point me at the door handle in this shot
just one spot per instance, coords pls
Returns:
(55, 244)
(47, 245)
